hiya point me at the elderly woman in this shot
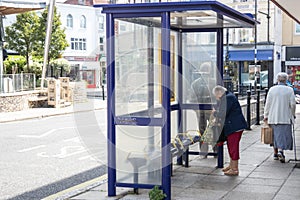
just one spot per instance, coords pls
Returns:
(230, 114)
(279, 113)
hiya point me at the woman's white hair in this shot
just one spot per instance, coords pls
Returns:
(282, 77)
(219, 89)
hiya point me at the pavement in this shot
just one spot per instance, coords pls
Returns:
(32, 113)
(260, 176)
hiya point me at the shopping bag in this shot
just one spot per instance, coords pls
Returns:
(266, 134)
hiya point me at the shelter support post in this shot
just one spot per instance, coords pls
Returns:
(220, 67)
(179, 93)
(166, 129)
(111, 136)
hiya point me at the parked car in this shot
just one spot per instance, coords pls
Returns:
(263, 80)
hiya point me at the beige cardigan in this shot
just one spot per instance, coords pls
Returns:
(280, 105)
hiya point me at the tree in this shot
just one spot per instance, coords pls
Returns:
(21, 37)
(58, 37)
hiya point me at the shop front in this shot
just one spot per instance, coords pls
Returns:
(243, 70)
(86, 69)
(292, 64)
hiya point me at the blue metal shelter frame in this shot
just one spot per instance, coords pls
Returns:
(225, 17)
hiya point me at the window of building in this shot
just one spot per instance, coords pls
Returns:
(81, 2)
(82, 21)
(297, 29)
(245, 35)
(101, 40)
(212, 38)
(69, 21)
(78, 44)
(101, 22)
(101, 44)
(122, 27)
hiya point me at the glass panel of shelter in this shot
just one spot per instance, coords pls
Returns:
(138, 92)
(200, 76)
(137, 96)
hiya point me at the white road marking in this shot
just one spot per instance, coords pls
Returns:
(31, 148)
(38, 136)
(44, 134)
(74, 139)
(87, 157)
(43, 154)
(65, 151)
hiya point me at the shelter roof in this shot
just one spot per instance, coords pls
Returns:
(8, 7)
(184, 15)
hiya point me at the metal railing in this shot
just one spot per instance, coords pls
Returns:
(253, 106)
(17, 82)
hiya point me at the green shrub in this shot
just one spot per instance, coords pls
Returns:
(156, 194)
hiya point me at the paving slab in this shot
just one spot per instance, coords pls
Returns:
(242, 195)
(200, 194)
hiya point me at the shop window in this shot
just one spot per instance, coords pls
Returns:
(89, 77)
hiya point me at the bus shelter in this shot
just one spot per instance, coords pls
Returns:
(163, 59)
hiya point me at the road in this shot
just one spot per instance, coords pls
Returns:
(43, 156)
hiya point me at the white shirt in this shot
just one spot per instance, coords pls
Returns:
(280, 105)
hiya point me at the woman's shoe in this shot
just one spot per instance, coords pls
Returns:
(225, 169)
(231, 172)
(281, 157)
(275, 157)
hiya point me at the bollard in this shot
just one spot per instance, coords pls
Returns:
(248, 110)
(258, 108)
(103, 97)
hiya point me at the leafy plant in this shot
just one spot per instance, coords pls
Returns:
(21, 35)
(156, 194)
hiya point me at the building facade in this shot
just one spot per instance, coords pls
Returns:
(85, 32)
(291, 50)
(241, 44)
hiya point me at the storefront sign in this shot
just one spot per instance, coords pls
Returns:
(81, 58)
(292, 54)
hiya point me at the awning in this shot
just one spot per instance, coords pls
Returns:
(248, 55)
(290, 7)
(8, 7)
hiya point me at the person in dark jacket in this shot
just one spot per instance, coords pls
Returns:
(201, 94)
(230, 116)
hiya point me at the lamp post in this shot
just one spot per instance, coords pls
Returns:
(47, 39)
(255, 49)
